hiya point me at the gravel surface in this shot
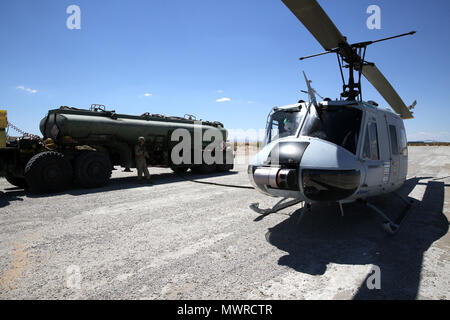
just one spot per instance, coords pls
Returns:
(180, 239)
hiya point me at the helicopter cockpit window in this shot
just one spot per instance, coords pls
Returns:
(274, 131)
(282, 124)
(337, 124)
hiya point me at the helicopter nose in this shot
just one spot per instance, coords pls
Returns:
(329, 172)
(329, 185)
(315, 170)
(276, 166)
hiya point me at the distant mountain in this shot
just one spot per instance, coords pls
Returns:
(428, 143)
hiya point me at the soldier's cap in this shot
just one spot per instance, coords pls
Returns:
(141, 138)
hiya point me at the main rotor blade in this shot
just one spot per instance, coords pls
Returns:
(314, 18)
(377, 79)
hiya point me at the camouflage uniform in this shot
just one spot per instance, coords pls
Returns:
(141, 163)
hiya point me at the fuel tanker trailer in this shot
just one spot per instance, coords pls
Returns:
(83, 146)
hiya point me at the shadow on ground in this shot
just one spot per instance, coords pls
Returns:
(324, 237)
(15, 194)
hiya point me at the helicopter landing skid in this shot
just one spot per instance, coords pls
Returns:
(302, 211)
(280, 205)
(390, 226)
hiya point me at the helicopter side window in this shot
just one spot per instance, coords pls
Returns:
(394, 141)
(370, 149)
(366, 148)
(403, 142)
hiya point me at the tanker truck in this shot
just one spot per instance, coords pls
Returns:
(82, 146)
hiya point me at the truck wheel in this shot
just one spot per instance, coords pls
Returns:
(227, 155)
(92, 169)
(224, 167)
(204, 168)
(179, 170)
(48, 172)
(18, 182)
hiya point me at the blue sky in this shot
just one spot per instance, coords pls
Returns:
(186, 55)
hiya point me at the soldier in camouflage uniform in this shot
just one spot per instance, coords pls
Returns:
(141, 155)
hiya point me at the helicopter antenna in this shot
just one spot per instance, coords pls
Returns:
(304, 91)
(351, 56)
(311, 92)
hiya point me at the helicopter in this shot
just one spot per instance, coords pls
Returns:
(338, 151)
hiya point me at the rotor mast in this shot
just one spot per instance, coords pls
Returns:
(315, 19)
(353, 55)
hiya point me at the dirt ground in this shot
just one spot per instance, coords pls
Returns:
(180, 239)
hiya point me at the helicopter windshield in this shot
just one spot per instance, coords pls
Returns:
(337, 124)
(283, 123)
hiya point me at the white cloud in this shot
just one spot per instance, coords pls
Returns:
(220, 91)
(249, 102)
(147, 94)
(225, 99)
(29, 90)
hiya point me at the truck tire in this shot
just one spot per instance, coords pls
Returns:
(179, 170)
(18, 182)
(48, 172)
(224, 167)
(92, 169)
(204, 168)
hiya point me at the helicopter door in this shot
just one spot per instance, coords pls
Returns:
(371, 156)
(394, 146)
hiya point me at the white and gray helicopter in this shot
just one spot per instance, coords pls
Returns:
(334, 151)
